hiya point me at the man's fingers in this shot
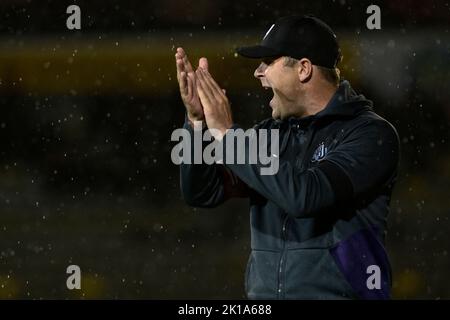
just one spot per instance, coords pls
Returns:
(182, 81)
(201, 80)
(199, 86)
(206, 98)
(203, 63)
(182, 75)
(180, 65)
(187, 63)
(183, 56)
(213, 84)
(190, 84)
(207, 90)
(201, 94)
(181, 53)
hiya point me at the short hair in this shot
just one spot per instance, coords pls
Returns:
(332, 75)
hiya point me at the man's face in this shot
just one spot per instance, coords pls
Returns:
(285, 84)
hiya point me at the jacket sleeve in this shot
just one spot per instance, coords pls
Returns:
(207, 186)
(364, 161)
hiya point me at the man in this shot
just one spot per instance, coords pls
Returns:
(318, 224)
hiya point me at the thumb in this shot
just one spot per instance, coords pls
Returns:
(203, 63)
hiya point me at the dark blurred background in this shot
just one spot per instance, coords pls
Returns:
(86, 118)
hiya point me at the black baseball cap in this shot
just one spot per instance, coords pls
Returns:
(298, 37)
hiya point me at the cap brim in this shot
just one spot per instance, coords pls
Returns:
(257, 52)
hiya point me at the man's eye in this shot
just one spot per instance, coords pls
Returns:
(268, 61)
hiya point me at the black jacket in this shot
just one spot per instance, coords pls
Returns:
(318, 224)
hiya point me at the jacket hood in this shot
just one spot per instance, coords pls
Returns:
(346, 102)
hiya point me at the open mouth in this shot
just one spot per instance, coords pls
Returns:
(265, 84)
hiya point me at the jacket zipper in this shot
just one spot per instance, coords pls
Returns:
(282, 261)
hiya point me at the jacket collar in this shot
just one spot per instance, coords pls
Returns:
(344, 103)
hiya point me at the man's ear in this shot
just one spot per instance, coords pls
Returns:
(304, 69)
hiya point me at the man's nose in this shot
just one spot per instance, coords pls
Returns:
(259, 72)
